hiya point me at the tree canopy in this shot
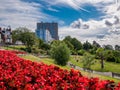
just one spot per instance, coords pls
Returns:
(24, 35)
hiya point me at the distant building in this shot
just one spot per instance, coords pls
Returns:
(5, 35)
(47, 31)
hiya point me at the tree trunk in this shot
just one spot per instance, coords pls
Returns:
(102, 63)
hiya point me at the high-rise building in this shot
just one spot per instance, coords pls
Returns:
(47, 31)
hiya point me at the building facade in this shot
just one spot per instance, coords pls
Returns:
(47, 31)
(5, 35)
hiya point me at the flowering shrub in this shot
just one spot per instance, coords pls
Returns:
(20, 74)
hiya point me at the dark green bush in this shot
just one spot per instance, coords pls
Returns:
(61, 53)
(110, 59)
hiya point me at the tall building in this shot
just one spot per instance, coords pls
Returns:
(47, 31)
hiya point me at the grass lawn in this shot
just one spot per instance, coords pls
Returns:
(50, 61)
(109, 66)
(13, 47)
(47, 61)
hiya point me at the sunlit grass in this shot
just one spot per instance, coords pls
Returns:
(108, 66)
(13, 47)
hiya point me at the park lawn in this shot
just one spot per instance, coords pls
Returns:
(50, 61)
(14, 47)
(47, 61)
(108, 66)
(31, 57)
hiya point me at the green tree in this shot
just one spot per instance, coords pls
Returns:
(28, 39)
(116, 54)
(73, 44)
(109, 56)
(108, 47)
(77, 44)
(25, 36)
(100, 53)
(88, 60)
(60, 52)
(15, 35)
(87, 46)
(68, 38)
(70, 46)
(95, 44)
(117, 47)
(40, 43)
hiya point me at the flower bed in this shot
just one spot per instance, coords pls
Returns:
(20, 74)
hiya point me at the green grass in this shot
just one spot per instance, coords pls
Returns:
(109, 66)
(13, 47)
(47, 61)
(31, 57)
(50, 61)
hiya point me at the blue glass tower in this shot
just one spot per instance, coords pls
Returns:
(47, 31)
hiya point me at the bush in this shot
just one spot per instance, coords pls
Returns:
(81, 52)
(117, 59)
(28, 49)
(88, 60)
(111, 59)
(35, 50)
(61, 53)
(24, 49)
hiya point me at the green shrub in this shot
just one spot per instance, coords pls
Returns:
(117, 59)
(88, 60)
(81, 52)
(60, 52)
(110, 59)
(28, 49)
(35, 50)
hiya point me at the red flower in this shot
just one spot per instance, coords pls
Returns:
(21, 74)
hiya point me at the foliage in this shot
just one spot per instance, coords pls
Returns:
(69, 45)
(25, 36)
(81, 52)
(109, 56)
(60, 52)
(40, 43)
(101, 55)
(117, 47)
(116, 56)
(88, 60)
(95, 44)
(35, 50)
(87, 46)
(108, 47)
(28, 39)
(15, 35)
(46, 46)
(20, 74)
(77, 45)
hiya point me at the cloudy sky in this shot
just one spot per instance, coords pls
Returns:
(84, 19)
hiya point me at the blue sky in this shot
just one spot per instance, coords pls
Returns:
(83, 19)
(68, 14)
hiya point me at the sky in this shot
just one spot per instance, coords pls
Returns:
(90, 20)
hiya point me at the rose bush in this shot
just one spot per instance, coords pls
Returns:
(20, 74)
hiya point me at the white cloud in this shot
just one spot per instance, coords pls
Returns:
(104, 31)
(52, 9)
(17, 13)
(77, 4)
